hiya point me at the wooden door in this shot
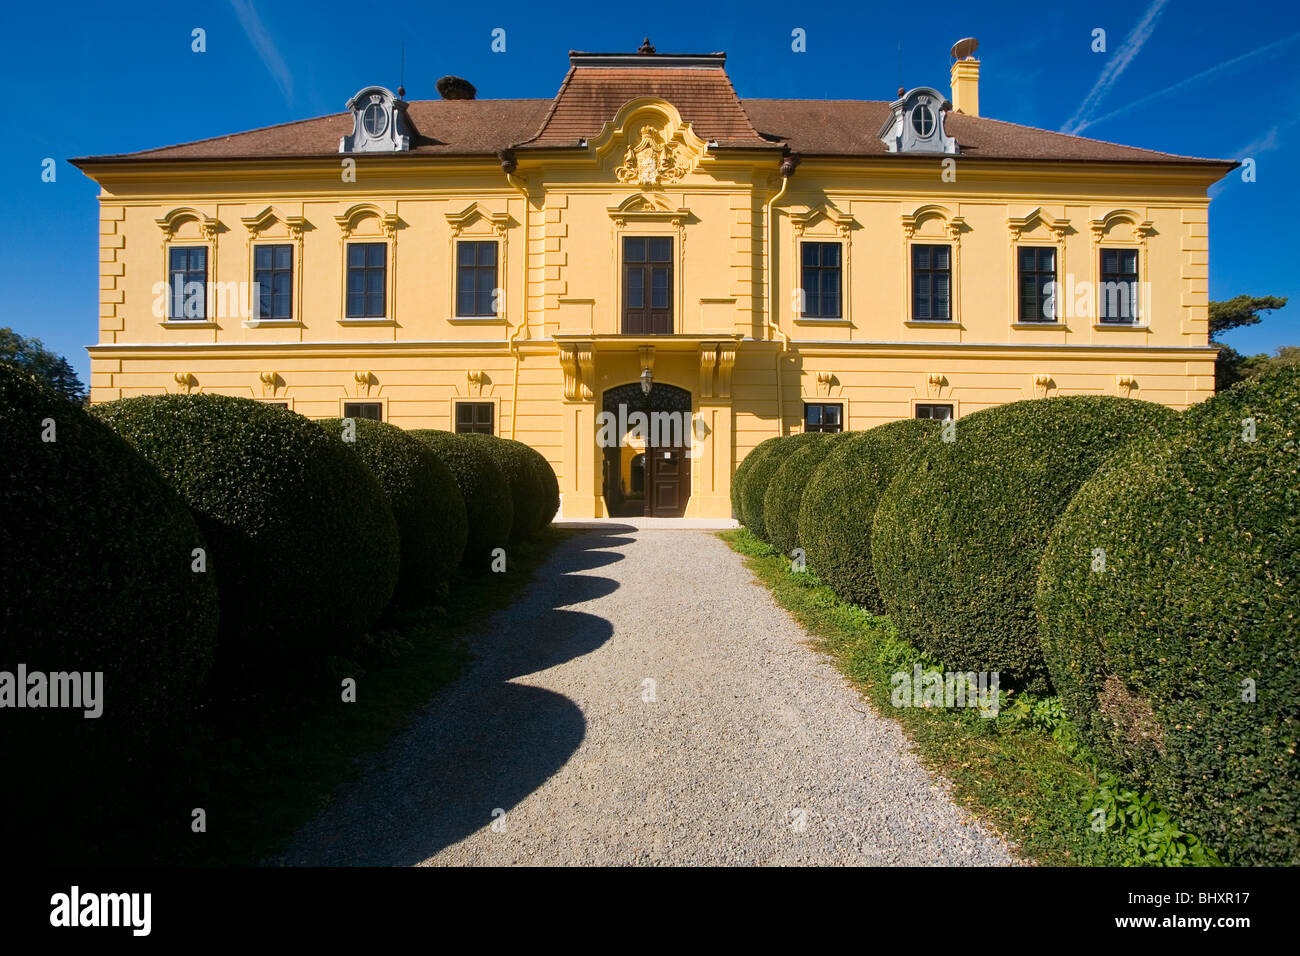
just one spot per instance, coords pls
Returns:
(668, 480)
(647, 285)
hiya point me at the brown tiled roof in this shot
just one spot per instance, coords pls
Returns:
(597, 85)
(703, 95)
(446, 127)
(850, 128)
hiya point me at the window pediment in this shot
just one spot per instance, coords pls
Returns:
(465, 220)
(647, 207)
(352, 221)
(1023, 225)
(175, 221)
(916, 223)
(271, 220)
(825, 218)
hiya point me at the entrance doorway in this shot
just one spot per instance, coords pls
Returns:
(647, 467)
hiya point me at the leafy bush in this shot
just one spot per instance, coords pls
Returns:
(756, 479)
(527, 493)
(785, 491)
(960, 529)
(96, 557)
(550, 484)
(738, 479)
(1179, 658)
(426, 503)
(303, 544)
(839, 507)
(489, 505)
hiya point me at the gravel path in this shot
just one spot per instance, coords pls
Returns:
(646, 701)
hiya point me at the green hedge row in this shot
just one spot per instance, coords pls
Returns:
(1178, 656)
(1142, 564)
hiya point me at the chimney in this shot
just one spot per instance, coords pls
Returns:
(966, 77)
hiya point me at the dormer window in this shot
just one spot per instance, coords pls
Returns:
(915, 124)
(379, 123)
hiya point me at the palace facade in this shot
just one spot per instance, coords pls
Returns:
(648, 241)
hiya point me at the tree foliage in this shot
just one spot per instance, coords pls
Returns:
(31, 355)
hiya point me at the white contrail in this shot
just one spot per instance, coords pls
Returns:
(260, 37)
(1110, 75)
(1193, 79)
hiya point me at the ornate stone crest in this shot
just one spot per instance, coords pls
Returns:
(652, 160)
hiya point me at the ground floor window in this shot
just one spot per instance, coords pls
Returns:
(371, 410)
(475, 417)
(943, 412)
(823, 417)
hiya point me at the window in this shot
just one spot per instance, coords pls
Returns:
(273, 274)
(923, 120)
(647, 286)
(276, 404)
(1117, 300)
(476, 278)
(187, 278)
(371, 410)
(943, 412)
(821, 280)
(931, 282)
(823, 417)
(474, 417)
(1037, 279)
(367, 280)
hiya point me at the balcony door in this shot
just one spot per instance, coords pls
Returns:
(647, 285)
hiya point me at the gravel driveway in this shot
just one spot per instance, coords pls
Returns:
(646, 701)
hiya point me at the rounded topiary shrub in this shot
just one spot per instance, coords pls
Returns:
(96, 575)
(546, 480)
(301, 539)
(527, 492)
(1169, 602)
(489, 507)
(961, 528)
(784, 495)
(839, 506)
(426, 503)
(754, 488)
(742, 471)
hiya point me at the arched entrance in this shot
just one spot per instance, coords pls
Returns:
(645, 442)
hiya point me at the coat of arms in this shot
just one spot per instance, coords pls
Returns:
(652, 160)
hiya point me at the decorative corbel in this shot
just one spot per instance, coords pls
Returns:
(587, 364)
(1042, 383)
(476, 378)
(364, 380)
(824, 382)
(1125, 385)
(569, 363)
(270, 380)
(726, 363)
(708, 359)
(934, 383)
(185, 381)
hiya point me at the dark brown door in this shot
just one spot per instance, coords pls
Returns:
(647, 285)
(668, 479)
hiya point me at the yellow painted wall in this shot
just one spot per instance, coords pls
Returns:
(561, 280)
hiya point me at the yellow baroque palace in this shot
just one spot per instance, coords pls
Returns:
(649, 242)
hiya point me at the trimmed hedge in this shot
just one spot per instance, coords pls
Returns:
(302, 541)
(426, 503)
(742, 470)
(527, 494)
(489, 505)
(547, 481)
(785, 492)
(961, 528)
(754, 486)
(839, 507)
(1200, 594)
(96, 571)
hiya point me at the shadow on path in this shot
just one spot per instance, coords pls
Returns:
(483, 744)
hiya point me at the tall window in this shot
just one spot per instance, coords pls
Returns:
(821, 280)
(187, 268)
(647, 286)
(931, 282)
(1118, 296)
(273, 273)
(371, 410)
(823, 417)
(1037, 276)
(367, 280)
(933, 410)
(474, 417)
(476, 278)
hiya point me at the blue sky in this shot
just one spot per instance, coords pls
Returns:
(1198, 78)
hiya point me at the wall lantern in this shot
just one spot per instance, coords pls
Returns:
(647, 380)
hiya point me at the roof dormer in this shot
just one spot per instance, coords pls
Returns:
(379, 123)
(915, 124)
